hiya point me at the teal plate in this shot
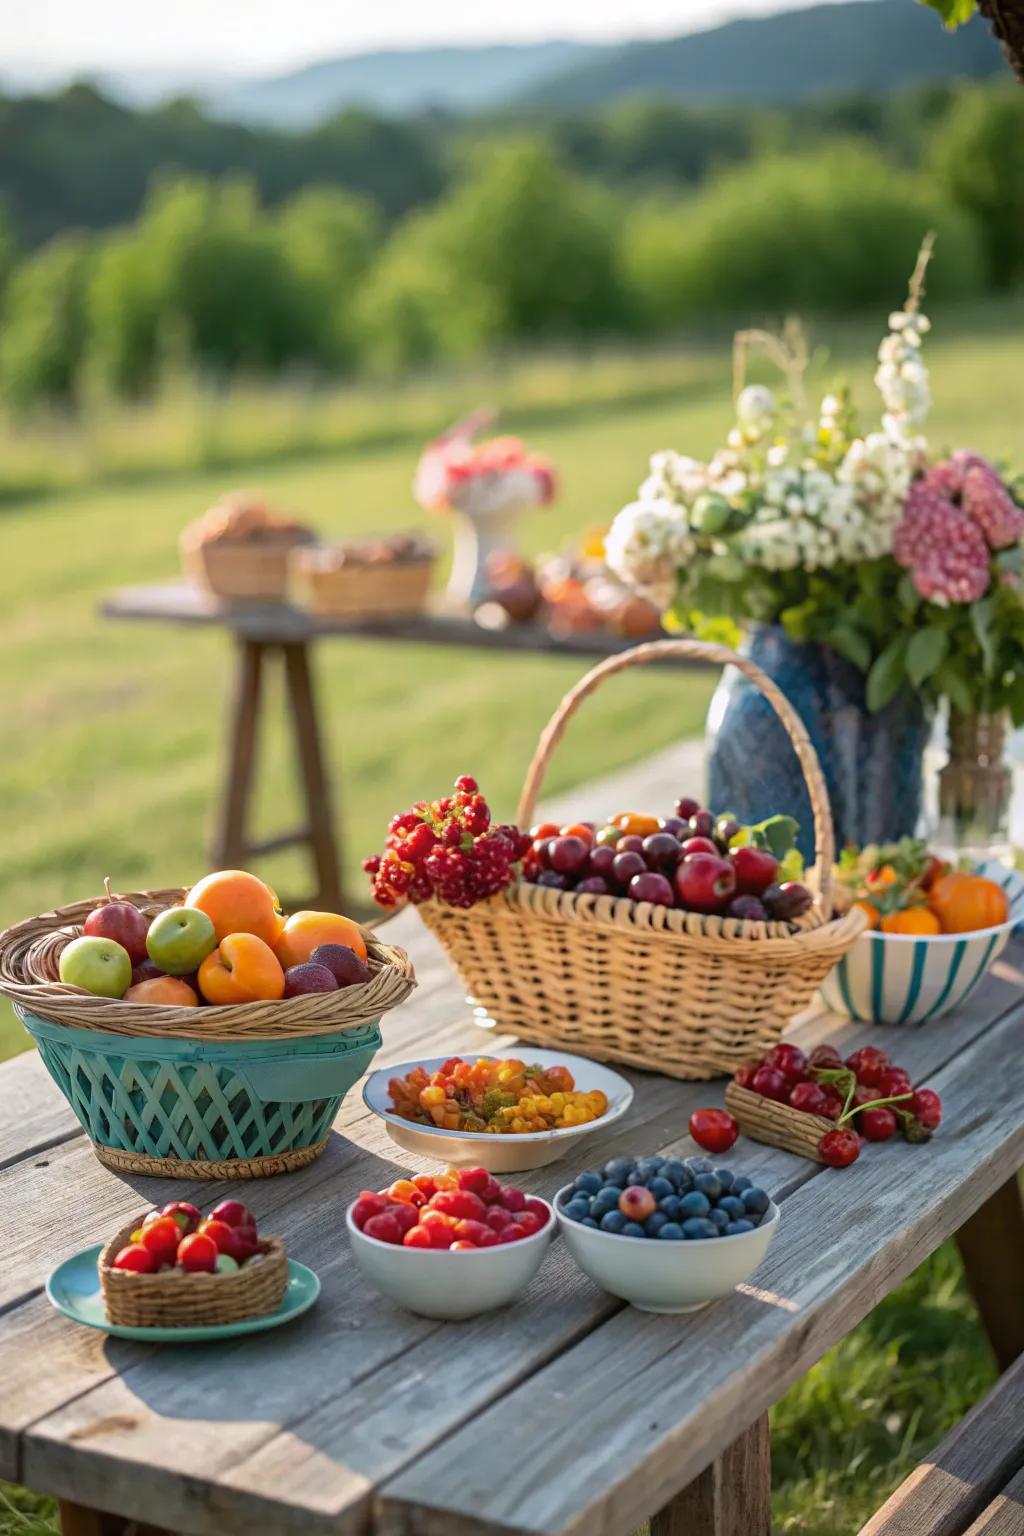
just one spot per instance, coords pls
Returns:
(74, 1289)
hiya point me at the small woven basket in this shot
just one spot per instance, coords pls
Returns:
(779, 1125)
(626, 981)
(178, 1300)
(243, 570)
(238, 1092)
(379, 590)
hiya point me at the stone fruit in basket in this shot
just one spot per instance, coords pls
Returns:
(237, 902)
(304, 932)
(242, 969)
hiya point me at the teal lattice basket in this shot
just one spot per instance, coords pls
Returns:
(192, 1109)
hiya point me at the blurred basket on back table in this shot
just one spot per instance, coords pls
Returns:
(651, 986)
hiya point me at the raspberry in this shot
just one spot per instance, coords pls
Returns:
(466, 783)
(986, 499)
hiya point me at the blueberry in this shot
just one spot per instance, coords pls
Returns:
(603, 1203)
(694, 1204)
(660, 1187)
(723, 1175)
(736, 1227)
(654, 1223)
(733, 1206)
(619, 1171)
(648, 1168)
(675, 1169)
(697, 1229)
(719, 1218)
(588, 1221)
(578, 1208)
(670, 1207)
(699, 1165)
(755, 1201)
(609, 1192)
(589, 1183)
(708, 1185)
(612, 1221)
(633, 1229)
(671, 1232)
(740, 1183)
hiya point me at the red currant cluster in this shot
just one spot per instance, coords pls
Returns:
(446, 848)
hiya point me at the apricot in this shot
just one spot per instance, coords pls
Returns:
(163, 989)
(237, 902)
(242, 969)
(911, 920)
(304, 931)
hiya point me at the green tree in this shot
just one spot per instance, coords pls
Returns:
(329, 239)
(43, 324)
(979, 159)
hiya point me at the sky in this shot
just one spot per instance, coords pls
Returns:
(59, 37)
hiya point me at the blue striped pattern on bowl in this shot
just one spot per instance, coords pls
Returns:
(892, 978)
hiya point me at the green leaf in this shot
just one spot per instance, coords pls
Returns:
(907, 594)
(926, 651)
(953, 12)
(778, 835)
(1015, 699)
(983, 619)
(853, 645)
(887, 674)
(950, 684)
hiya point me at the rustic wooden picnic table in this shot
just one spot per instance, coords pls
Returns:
(570, 1412)
(265, 634)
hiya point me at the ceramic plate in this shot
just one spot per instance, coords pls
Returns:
(500, 1154)
(74, 1289)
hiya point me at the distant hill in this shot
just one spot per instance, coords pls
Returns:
(862, 45)
(399, 83)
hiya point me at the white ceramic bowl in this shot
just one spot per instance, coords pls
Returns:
(453, 1286)
(666, 1277)
(500, 1154)
(903, 978)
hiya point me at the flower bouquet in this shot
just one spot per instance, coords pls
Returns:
(872, 585)
(490, 483)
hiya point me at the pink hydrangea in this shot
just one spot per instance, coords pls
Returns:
(984, 497)
(942, 548)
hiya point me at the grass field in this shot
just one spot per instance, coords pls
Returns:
(114, 735)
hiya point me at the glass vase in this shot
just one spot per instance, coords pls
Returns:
(975, 785)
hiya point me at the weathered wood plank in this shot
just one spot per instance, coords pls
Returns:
(34, 1115)
(1005, 1515)
(329, 1444)
(965, 1472)
(997, 1288)
(731, 1497)
(586, 1426)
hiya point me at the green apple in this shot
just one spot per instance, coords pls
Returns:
(180, 939)
(99, 965)
(226, 1265)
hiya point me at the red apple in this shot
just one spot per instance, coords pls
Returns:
(120, 921)
(705, 882)
(755, 870)
(234, 1213)
(187, 1215)
(699, 845)
(198, 1254)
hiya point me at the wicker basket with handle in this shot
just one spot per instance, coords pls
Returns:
(651, 986)
(175, 1299)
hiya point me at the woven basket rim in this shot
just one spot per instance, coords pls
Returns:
(313, 1013)
(271, 1249)
(620, 914)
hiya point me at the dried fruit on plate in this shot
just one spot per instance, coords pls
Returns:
(509, 1097)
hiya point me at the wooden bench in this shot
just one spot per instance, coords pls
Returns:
(973, 1484)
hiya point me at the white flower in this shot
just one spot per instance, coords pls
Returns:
(647, 544)
(756, 409)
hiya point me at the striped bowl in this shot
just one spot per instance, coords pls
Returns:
(900, 978)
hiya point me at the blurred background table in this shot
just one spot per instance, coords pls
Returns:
(268, 634)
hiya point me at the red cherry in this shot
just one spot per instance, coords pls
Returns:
(476, 1180)
(787, 1059)
(840, 1148)
(809, 1098)
(529, 1223)
(417, 1237)
(136, 1258)
(460, 1203)
(512, 1234)
(475, 1232)
(926, 1106)
(770, 1084)
(498, 1218)
(713, 1129)
(755, 870)
(744, 1076)
(539, 1209)
(825, 1056)
(385, 1228)
(513, 1199)
(699, 845)
(893, 1084)
(198, 1254)
(868, 1063)
(877, 1124)
(833, 1106)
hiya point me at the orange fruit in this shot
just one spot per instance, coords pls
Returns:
(237, 902)
(964, 903)
(242, 969)
(163, 989)
(873, 915)
(304, 931)
(911, 920)
(635, 824)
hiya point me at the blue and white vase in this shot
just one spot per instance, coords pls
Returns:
(873, 763)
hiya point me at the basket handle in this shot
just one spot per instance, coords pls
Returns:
(717, 655)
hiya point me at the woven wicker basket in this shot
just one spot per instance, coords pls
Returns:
(243, 570)
(238, 1092)
(385, 589)
(178, 1300)
(627, 981)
